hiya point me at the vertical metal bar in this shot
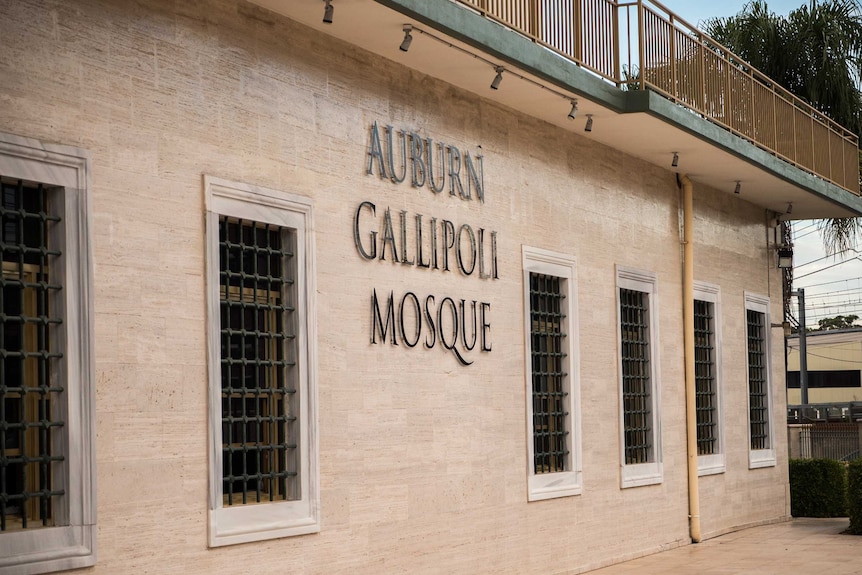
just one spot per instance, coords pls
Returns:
(533, 18)
(22, 381)
(42, 342)
(641, 46)
(615, 12)
(794, 138)
(577, 14)
(729, 100)
(673, 60)
(704, 98)
(775, 121)
(628, 43)
(813, 166)
(803, 348)
(751, 132)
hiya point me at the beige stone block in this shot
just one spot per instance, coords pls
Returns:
(143, 484)
(378, 504)
(141, 339)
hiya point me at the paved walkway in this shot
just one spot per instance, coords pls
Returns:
(800, 546)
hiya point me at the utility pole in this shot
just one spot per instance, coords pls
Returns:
(803, 348)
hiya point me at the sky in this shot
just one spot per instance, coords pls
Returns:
(694, 11)
(833, 286)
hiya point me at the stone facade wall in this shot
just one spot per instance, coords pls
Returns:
(423, 461)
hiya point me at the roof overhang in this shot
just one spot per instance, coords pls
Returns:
(460, 46)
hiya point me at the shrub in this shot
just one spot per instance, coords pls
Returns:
(854, 496)
(818, 488)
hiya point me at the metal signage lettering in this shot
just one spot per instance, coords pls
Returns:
(458, 325)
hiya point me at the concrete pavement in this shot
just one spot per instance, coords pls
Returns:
(801, 546)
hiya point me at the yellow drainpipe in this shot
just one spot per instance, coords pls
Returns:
(688, 338)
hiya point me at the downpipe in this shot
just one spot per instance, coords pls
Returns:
(688, 340)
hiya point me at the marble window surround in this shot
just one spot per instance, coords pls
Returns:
(245, 523)
(758, 458)
(570, 482)
(652, 472)
(715, 463)
(72, 543)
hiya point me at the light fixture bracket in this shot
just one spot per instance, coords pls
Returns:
(498, 78)
(408, 39)
(573, 113)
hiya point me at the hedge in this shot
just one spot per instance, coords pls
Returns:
(854, 496)
(818, 488)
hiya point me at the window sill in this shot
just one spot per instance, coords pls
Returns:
(554, 485)
(761, 458)
(47, 550)
(642, 475)
(710, 465)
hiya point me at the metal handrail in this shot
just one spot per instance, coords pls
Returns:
(683, 64)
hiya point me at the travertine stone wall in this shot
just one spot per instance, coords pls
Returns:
(423, 461)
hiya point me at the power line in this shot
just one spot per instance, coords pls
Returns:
(812, 224)
(805, 235)
(828, 256)
(830, 283)
(832, 293)
(857, 258)
(819, 316)
(810, 354)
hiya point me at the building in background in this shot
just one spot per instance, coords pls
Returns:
(389, 286)
(834, 364)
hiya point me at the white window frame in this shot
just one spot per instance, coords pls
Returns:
(244, 523)
(651, 473)
(563, 483)
(72, 543)
(715, 463)
(758, 458)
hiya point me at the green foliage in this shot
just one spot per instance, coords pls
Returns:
(818, 488)
(854, 496)
(815, 52)
(837, 322)
(840, 235)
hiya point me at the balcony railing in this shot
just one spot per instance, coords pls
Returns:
(640, 44)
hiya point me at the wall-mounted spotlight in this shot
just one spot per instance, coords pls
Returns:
(498, 78)
(408, 39)
(675, 161)
(327, 12)
(738, 188)
(574, 111)
(589, 126)
(784, 255)
(789, 208)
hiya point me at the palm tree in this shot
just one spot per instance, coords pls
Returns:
(816, 53)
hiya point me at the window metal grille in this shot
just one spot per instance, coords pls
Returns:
(758, 401)
(636, 375)
(706, 407)
(547, 344)
(30, 395)
(258, 362)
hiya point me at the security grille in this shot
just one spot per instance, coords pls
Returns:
(30, 421)
(258, 362)
(704, 373)
(636, 374)
(547, 344)
(758, 406)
